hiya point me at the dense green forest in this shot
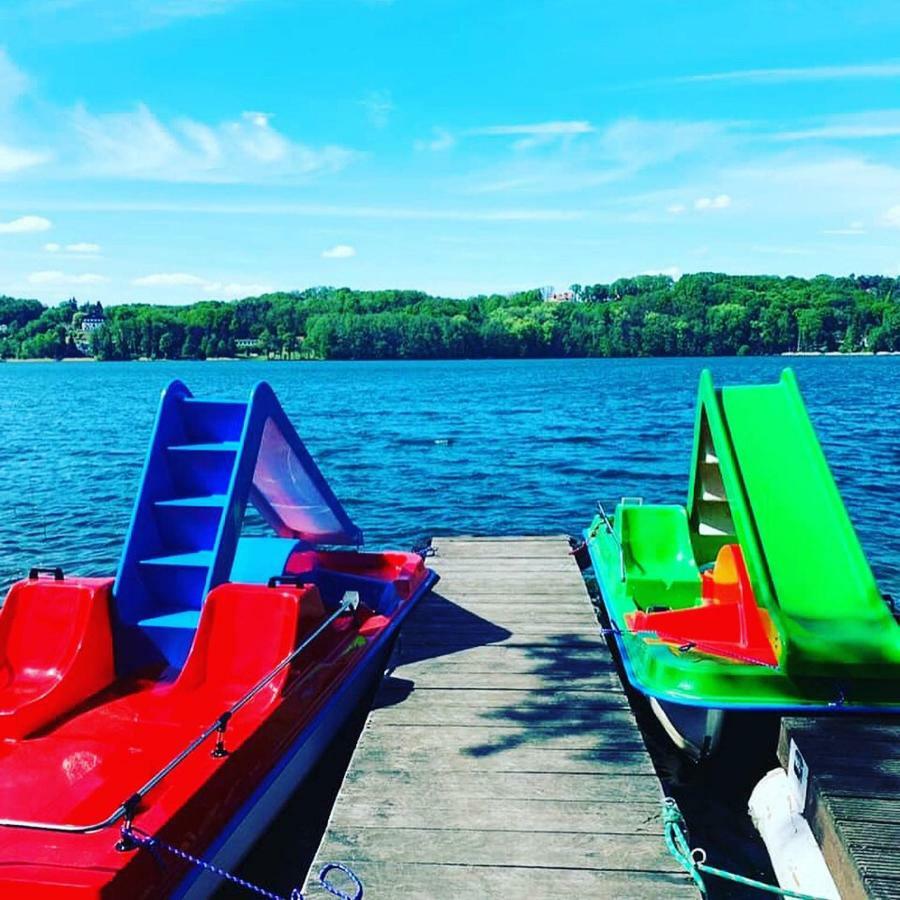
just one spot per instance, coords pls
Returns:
(697, 315)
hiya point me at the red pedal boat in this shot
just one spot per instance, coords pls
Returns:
(186, 698)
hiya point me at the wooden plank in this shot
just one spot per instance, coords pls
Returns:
(615, 738)
(518, 758)
(502, 746)
(576, 850)
(439, 882)
(491, 698)
(451, 679)
(573, 816)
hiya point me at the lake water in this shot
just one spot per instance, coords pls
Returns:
(421, 448)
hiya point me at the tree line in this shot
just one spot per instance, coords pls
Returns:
(704, 314)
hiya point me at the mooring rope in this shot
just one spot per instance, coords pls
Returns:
(694, 861)
(135, 837)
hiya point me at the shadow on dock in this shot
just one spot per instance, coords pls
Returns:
(450, 628)
(579, 698)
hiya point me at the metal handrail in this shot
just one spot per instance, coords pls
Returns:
(128, 809)
(610, 529)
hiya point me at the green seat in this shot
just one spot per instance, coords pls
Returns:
(659, 560)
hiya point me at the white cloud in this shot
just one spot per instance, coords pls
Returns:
(13, 81)
(25, 225)
(170, 279)
(720, 201)
(852, 228)
(559, 128)
(64, 278)
(857, 126)
(79, 248)
(117, 17)
(138, 145)
(676, 209)
(339, 251)
(208, 287)
(638, 143)
(379, 107)
(889, 69)
(441, 140)
(15, 159)
(891, 218)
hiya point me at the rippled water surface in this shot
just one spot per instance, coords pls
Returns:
(421, 448)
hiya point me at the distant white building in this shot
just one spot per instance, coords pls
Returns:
(562, 297)
(246, 343)
(92, 323)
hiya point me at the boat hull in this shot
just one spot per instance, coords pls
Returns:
(249, 824)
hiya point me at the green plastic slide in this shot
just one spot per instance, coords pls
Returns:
(824, 588)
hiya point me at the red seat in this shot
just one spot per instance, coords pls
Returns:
(245, 630)
(727, 624)
(55, 650)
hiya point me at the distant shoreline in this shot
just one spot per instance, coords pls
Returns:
(275, 359)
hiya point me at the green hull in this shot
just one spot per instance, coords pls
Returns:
(759, 480)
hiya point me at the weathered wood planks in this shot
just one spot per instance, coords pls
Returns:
(853, 798)
(501, 757)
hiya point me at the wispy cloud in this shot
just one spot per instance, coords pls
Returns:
(720, 201)
(113, 18)
(857, 126)
(615, 153)
(339, 251)
(17, 159)
(891, 217)
(66, 279)
(206, 286)
(536, 129)
(169, 279)
(890, 69)
(379, 106)
(441, 139)
(82, 247)
(25, 225)
(13, 81)
(322, 211)
(139, 145)
(851, 229)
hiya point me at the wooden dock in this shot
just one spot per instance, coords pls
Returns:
(501, 758)
(852, 798)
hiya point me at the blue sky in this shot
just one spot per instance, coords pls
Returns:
(172, 150)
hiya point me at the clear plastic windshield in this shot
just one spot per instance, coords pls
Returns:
(292, 493)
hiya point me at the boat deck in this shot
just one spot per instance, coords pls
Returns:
(501, 757)
(852, 799)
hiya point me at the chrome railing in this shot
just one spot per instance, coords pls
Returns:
(129, 807)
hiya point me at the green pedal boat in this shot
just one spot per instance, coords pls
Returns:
(756, 595)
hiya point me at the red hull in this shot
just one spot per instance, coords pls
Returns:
(82, 761)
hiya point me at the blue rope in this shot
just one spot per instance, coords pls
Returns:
(142, 839)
